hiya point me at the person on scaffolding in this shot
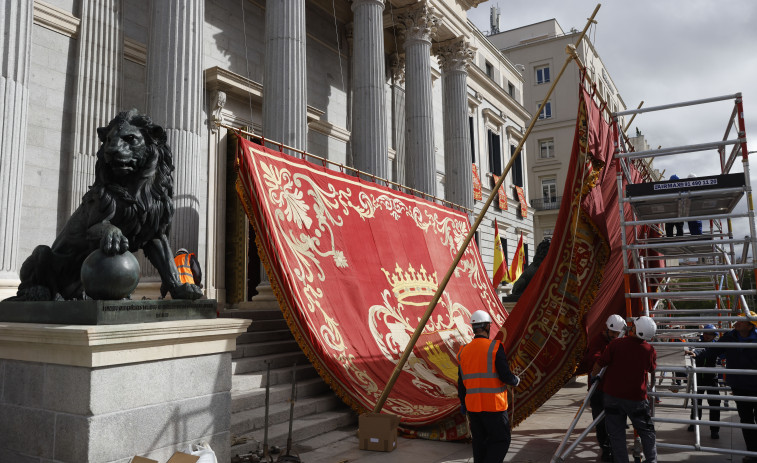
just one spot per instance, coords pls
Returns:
(674, 227)
(744, 331)
(707, 383)
(615, 325)
(483, 391)
(629, 361)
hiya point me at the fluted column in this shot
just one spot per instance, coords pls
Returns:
(285, 78)
(418, 25)
(397, 66)
(97, 93)
(369, 145)
(454, 58)
(15, 41)
(175, 89)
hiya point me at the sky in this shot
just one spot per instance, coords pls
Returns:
(663, 52)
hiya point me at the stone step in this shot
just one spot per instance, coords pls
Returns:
(267, 325)
(262, 313)
(249, 399)
(277, 360)
(303, 428)
(265, 348)
(305, 447)
(248, 382)
(247, 421)
(265, 336)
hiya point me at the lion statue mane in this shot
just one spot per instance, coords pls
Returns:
(129, 207)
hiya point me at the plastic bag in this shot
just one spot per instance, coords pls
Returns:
(203, 450)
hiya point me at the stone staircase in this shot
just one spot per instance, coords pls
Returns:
(319, 415)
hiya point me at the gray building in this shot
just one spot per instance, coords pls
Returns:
(408, 91)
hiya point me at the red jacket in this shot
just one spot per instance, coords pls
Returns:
(628, 360)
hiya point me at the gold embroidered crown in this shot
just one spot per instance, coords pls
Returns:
(411, 287)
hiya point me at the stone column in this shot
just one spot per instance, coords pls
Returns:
(284, 88)
(16, 42)
(454, 58)
(418, 25)
(369, 144)
(97, 93)
(397, 66)
(175, 90)
(285, 77)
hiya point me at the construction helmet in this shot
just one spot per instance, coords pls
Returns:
(615, 323)
(182, 251)
(645, 328)
(480, 317)
(710, 327)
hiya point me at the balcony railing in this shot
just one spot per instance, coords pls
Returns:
(546, 204)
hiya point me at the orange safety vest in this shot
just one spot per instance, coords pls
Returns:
(185, 270)
(484, 391)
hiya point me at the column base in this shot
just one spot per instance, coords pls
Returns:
(108, 393)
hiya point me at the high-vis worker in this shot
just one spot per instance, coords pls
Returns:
(483, 377)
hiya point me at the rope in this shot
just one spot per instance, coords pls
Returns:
(246, 59)
(338, 48)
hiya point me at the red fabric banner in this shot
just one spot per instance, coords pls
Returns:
(580, 282)
(502, 193)
(523, 203)
(477, 195)
(354, 266)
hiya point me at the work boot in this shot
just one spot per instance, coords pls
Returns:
(606, 454)
(690, 428)
(714, 434)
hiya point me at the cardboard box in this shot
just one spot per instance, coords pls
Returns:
(178, 457)
(378, 432)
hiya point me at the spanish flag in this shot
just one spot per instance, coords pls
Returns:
(500, 265)
(516, 269)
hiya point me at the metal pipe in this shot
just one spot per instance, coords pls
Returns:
(680, 149)
(677, 105)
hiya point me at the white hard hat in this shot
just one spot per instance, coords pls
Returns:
(182, 251)
(615, 323)
(645, 328)
(480, 316)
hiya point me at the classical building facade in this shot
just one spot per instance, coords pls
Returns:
(404, 90)
(539, 51)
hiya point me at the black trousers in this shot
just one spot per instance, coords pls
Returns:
(747, 414)
(597, 403)
(714, 402)
(491, 436)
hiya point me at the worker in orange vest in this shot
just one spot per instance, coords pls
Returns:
(189, 270)
(483, 377)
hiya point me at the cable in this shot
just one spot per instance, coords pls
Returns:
(338, 48)
(246, 59)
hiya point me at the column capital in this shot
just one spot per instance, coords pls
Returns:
(418, 22)
(454, 54)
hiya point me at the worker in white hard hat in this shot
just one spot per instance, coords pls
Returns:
(629, 361)
(483, 391)
(614, 328)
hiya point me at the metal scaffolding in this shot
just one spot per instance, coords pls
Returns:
(685, 281)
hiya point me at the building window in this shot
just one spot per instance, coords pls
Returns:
(546, 111)
(525, 255)
(503, 241)
(472, 139)
(489, 69)
(547, 148)
(517, 168)
(549, 190)
(495, 153)
(542, 74)
(511, 89)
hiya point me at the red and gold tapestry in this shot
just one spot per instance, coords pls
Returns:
(580, 281)
(502, 194)
(477, 194)
(523, 202)
(354, 266)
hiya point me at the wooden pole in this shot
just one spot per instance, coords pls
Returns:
(571, 50)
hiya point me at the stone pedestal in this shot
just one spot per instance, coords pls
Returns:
(108, 392)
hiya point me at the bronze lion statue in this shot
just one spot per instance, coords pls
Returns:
(129, 207)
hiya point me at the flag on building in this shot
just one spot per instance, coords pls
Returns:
(516, 269)
(500, 272)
